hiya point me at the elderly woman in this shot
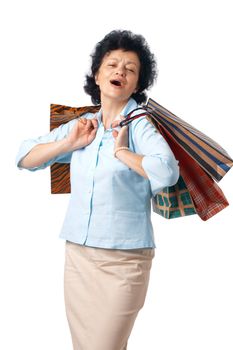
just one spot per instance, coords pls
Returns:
(114, 174)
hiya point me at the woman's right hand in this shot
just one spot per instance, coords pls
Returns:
(82, 133)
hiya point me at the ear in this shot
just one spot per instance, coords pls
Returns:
(96, 78)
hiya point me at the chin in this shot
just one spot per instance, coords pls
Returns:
(116, 97)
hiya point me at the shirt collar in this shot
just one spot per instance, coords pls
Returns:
(130, 105)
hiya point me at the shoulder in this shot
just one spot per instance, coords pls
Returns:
(142, 124)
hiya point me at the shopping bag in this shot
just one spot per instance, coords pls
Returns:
(60, 114)
(201, 161)
(207, 197)
(174, 201)
(205, 151)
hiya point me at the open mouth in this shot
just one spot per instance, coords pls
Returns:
(115, 82)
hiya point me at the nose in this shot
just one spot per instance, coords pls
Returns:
(120, 71)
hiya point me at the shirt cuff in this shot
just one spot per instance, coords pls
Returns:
(25, 148)
(161, 172)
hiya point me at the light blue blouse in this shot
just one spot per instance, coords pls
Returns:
(110, 204)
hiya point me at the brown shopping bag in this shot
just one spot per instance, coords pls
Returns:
(60, 114)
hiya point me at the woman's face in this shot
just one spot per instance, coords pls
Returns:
(118, 75)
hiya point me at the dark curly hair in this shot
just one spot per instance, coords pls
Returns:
(127, 41)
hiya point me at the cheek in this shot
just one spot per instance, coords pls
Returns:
(101, 77)
(135, 83)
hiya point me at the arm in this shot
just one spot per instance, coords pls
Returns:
(43, 153)
(132, 160)
(153, 158)
(58, 145)
(158, 161)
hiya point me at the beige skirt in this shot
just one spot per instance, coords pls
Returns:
(104, 290)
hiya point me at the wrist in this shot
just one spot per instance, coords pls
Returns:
(65, 145)
(118, 149)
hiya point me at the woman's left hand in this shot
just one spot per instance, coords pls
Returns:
(121, 137)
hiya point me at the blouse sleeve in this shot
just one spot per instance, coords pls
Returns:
(158, 162)
(55, 135)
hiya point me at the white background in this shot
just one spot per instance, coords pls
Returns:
(46, 48)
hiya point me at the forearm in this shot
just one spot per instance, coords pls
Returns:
(42, 153)
(132, 160)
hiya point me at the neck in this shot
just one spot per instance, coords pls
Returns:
(110, 109)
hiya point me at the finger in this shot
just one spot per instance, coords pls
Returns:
(93, 132)
(124, 129)
(94, 122)
(114, 134)
(117, 122)
(89, 124)
(83, 120)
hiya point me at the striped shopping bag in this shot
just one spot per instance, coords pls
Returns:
(205, 151)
